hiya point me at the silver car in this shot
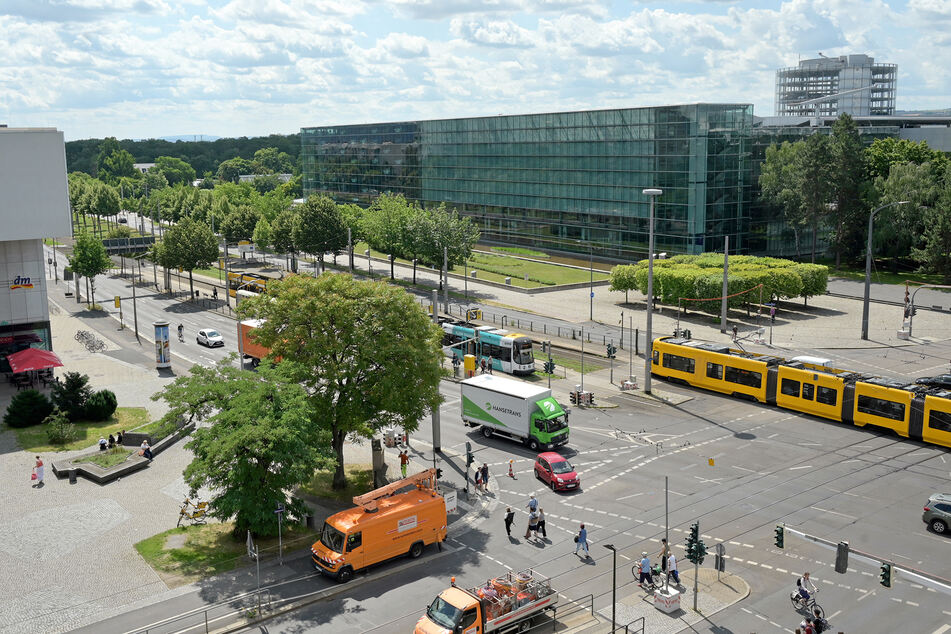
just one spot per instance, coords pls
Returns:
(210, 337)
(937, 513)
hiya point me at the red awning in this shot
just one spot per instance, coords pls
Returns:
(33, 359)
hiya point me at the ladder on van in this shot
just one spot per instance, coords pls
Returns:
(423, 480)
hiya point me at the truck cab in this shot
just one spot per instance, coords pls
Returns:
(454, 610)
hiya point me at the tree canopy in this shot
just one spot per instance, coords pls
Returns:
(319, 228)
(175, 170)
(367, 354)
(88, 260)
(189, 245)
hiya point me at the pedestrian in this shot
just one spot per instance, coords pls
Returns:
(102, 443)
(734, 333)
(112, 441)
(146, 450)
(541, 523)
(119, 437)
(532, 528)
(532, 503)
(478, 479)
(482, 365)
(404, 462)
(664, 553)
(38, 473)
(485, 477)
(214, 292)
(509, 520)
(672, 568)
(490, 364)
(581, 541)
(645, 569)
(772, 314)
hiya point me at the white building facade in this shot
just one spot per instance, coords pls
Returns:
(34, 204)
(830, 86)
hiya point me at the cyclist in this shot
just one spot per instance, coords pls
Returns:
(181, 332)
(805, 586)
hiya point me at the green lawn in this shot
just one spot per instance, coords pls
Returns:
(882, 276)
(108, 458)
(590, 365)
(520, 251)
(210, 549)
(34, 440)
(359, 481)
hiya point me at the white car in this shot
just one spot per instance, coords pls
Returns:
(210, 337)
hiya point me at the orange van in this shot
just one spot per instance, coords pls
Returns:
(384, 524)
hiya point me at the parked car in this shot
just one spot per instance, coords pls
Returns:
(209, 337)
(123, 221)
(551, 467)
(937, 513)
(941, 380)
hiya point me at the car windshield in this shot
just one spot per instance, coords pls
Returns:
(562, 467)
(212, 333)
(522, 351)
(332, 538)
(443, 613)
(556, 424)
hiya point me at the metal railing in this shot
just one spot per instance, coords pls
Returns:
(249, 606)
(635, 627)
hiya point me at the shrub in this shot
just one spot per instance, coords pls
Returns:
(59, 430)
(100, 406)
(71, 393)
(27, 408)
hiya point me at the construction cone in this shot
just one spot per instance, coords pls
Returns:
(511, 472)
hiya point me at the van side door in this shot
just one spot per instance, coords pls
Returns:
(355, 551)
(469, 624)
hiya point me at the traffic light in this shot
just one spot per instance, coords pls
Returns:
(691, 550)
(842, 558)
(591, 398)
(780, 534)
(695, 532)
(700, 552)
(693, 543)
(469, 457)
(574, 397)
(885, 578)
(612, 351)
(438, 473)
(550, 367)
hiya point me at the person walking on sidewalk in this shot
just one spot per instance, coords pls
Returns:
(532, 503)
(541, 523)
(38, 471)
(485, 477)
(478, 479)
(664, 553)
(482, 365)
(532, 528)
(509, 520)
(672, 568)
(404, 462)
(645, 570)
(581, 541)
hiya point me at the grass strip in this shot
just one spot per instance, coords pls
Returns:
(34, 439)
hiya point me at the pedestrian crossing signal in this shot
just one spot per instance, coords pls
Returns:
(885, 578)
(780, 534)
(574, 397)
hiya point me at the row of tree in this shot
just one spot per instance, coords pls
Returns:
(832, 182)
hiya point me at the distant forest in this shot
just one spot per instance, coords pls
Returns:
(204, 156)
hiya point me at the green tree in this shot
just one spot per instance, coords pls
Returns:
(240, 223)
(885, 153)
(453, 237)
(228, 171)
(282, 235)
(813, 170)
(119, 164)
(264, 183)
(900, 229)
(88, 260)
(261, 441)
(189, 245)
(71, 393)
(779, 186)
(366, 353)
(262, 233)
(270, 160)
(175, 170)
(935, 253)
(384, 225)
(849, 186)
(319, 228)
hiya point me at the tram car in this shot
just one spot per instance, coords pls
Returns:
(508, 352)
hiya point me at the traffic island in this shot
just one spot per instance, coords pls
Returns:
(714, 595)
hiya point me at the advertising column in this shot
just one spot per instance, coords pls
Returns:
(163, 357)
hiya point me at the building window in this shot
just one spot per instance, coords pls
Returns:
(881, 407)
(743, 377)
(826, 395)
(790, 388)
(681, 364)
(714, 370)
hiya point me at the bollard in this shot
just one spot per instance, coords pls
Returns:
(72, 476)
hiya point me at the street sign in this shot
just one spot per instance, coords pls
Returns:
(592, 294)
(117, 301)
(450, 498)
(252, 551)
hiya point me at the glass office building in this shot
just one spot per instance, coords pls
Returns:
(559, 181)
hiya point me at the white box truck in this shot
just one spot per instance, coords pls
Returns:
(514, 409)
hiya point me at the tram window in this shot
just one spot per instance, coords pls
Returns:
(808, 391)
(681, 364)
(881, 407)
(826, 395)
(743, 377)
(714, 370)
(939, 420)
(790, 388)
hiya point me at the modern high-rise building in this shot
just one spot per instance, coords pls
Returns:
(566, 181)
(830, 86)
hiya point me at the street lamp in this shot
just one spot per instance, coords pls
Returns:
(591, 283)
(648, 352)
(868, 264)
(613, 587)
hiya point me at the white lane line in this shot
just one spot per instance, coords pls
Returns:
(808, 466)
(835, 513)
(941, 630)
(627, 497)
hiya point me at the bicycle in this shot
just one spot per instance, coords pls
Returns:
(806, 605)
(197, 516)
(655, 580)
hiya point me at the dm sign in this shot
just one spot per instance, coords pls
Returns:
(21, 282)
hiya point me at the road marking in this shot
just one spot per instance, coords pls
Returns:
(941, 630)
(627, 497)
(834, 513)
(808, 466)
(865, 596)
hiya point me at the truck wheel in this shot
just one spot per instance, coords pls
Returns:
(345, 574)
(486, 431)
(416, 550)
(525, 626)
(533, 444)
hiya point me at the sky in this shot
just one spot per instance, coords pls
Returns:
(153, 68)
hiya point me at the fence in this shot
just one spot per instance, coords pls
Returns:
(635, 627)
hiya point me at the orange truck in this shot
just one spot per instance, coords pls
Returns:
(504, 604)
(384, 523)
(248, 349)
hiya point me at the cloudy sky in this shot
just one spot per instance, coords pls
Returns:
(149, 68)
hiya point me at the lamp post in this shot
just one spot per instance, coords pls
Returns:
(613, 587)
(868, 264)
(648, 354)
(591, 282)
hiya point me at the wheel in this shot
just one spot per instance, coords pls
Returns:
(552, 485)
(938, 526)
(345, 574)
(197, 340)
(525, 626)
(533, 444)
(796, 600)
(180, 516)
(636, 571)
(416, 550)
(486, 431)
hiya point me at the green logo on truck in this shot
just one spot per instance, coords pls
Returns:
(472, 410)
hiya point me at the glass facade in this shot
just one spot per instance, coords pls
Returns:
(559, 181)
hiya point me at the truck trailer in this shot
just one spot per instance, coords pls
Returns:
(507, 603)
(514, 409)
